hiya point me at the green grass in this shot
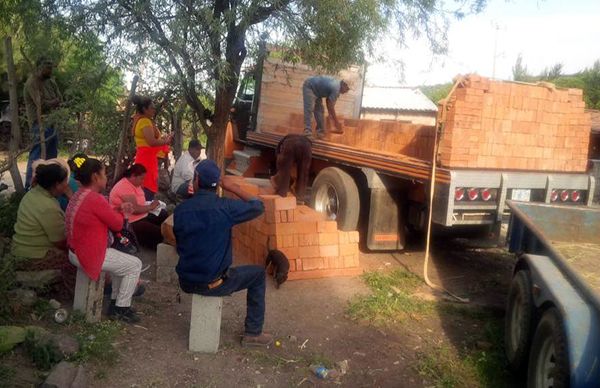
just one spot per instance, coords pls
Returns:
(96, 341)
(7, 375)
(392, 300)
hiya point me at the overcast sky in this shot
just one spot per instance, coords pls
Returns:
(544, 32)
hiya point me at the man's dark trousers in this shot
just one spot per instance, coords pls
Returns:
(295, 149)
(251, 277)
(36, 151)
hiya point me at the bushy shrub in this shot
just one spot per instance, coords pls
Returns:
(9, 205)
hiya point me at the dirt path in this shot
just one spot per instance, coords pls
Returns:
(313, 313)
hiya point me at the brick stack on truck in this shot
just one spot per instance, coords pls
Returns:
(498, 140)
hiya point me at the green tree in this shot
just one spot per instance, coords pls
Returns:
(591, 90)
(201, 45)
(436, 92)
(519, 70)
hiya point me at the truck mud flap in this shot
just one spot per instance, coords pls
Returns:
(386, 222)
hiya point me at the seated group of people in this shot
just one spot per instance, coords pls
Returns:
(48, 236)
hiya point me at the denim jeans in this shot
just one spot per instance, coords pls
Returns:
(312, 105)
(251, 277)
(36, 150)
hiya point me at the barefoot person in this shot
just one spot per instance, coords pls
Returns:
(202, 227)
(314, 90)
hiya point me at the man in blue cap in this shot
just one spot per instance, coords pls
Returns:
(202, 227)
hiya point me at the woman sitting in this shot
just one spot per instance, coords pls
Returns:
(145, 225)
(39, 241)
(89, 217)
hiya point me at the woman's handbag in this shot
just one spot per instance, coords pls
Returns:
(125, 240)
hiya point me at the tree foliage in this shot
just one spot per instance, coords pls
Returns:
(588, 79)
(198, 47)
(91, 87)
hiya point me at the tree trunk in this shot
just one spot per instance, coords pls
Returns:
(125, 131)
(15, 133)
(215, 146)
(176, 128)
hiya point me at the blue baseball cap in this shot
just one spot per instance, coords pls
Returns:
(208, 174)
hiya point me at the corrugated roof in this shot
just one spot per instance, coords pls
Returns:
(396, 98)
(595, 114)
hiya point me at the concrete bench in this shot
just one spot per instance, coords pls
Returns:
(166, 260)
(205, 323)
(89, 296)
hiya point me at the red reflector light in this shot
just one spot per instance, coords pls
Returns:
(487, 194)
(459, 194)
(575, 196)
(473, 194)
(564, 195)
(554, 195)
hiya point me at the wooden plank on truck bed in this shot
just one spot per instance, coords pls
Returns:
(387, 163)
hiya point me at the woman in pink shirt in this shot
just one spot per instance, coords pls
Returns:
(145, 225)
(88, 220)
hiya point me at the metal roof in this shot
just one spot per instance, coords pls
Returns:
(396, 98)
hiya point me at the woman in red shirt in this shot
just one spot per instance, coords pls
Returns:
(88, 220)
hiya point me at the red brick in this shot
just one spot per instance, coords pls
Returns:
(308, 239)
(306, 227)
(291, 216)
(343, 237)
(309, 251)
(283, 215)
(348, 249)
(354, 236)
(291, 253)
(328, 238)
(290, 240)
(285, 203)
(312, 264)
(249, 188)
(329, 250)
(287, 228)
(327, 226)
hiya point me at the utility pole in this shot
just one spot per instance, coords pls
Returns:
(497, 28)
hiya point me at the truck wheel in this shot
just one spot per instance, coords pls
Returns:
(518, 321)
(549, 360)
(335, 194)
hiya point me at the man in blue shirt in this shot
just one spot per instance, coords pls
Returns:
(314, 90)
(202, 227)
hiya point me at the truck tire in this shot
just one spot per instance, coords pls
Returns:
(335, 194)
(548, 359)
(518, 321)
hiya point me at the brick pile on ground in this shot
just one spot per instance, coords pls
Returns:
(495, 124)
(313, 245)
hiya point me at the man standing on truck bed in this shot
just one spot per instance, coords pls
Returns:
(292, 150)
(314, 90)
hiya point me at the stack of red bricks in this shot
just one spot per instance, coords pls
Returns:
(494, 124)
(313, 245)
(389, 136)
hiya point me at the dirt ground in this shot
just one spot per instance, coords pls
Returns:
(310, 320)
